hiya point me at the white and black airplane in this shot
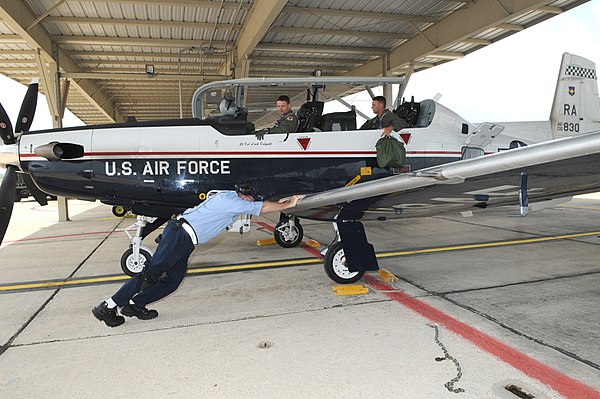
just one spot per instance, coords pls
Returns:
(159, 168)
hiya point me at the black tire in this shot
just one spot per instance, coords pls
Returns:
(119, 211)
(335, 266)
(292, 235)
(130, 266)
(18, 196)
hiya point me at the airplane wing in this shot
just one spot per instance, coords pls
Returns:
(553, 169)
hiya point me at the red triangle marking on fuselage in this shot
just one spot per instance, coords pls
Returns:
(304, 142)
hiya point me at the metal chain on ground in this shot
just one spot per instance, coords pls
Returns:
(450, 384)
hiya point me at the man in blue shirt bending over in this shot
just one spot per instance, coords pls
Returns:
(163, 273)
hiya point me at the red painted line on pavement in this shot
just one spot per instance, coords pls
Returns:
(266, 226)
(68, 235)
(313, 251)
(60, 236)
(566, 386)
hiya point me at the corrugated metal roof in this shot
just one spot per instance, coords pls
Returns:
(120, 37)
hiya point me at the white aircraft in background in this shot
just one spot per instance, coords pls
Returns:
(159, 168)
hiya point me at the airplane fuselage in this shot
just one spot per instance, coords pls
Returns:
(172, 165)
(176, 166)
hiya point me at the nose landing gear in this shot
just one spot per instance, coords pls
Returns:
(133, 260)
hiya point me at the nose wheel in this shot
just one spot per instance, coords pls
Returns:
(133, 265)
(335, 266)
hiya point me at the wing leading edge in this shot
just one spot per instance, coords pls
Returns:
(553, 169)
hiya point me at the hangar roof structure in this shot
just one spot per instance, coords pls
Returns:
(108, 59)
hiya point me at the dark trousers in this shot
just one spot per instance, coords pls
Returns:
(170, 260)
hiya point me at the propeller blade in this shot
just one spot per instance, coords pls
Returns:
(6, 129)
(27, 111)
(38, 194)
(7, 199)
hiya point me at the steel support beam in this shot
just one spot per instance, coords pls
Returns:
(134, 41)
(183, 3)
(457, 27)
(139, 22)
(18, 16)
(48, 71)
(138, 76)
(262, 15)
(287, 48)
(360, 14)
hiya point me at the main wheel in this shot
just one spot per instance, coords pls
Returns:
(288, 236)
(119, 211)
(132, 266)
(335, 266)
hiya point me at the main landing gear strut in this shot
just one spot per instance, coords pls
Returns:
(349, 256)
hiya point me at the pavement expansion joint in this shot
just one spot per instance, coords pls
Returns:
(57, 289)
(521, 334)
(115, 331)
(541, 236)
(541, 280)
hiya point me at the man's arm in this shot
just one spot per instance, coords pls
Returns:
(368, 125)
(398, 123)
(269, 206)
(288, 125)
(392, 122)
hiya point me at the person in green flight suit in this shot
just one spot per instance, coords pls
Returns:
(384, 119)
(287, 122)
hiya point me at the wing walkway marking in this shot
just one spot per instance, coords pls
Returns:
(47, 284)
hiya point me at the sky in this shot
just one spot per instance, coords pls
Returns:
(511, 80)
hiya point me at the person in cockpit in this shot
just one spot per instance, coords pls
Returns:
(384, 118)
(287, 122)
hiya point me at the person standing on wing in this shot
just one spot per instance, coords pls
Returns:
(164, 272)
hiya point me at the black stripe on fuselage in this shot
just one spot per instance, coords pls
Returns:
(180, 182)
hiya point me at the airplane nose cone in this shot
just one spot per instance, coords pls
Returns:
(9, 155)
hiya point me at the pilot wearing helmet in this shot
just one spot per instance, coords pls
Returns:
(164, 272)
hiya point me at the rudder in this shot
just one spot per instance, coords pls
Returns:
(576, 106)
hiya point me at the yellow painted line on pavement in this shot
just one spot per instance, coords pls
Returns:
(289, 262)
(108, 279)
(114, 218)
(53, 284)
(487, 244)
(263, 265)
(587, 207)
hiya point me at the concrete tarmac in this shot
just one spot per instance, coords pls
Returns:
(511, 301)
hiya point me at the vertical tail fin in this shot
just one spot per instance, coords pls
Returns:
(576, 106)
